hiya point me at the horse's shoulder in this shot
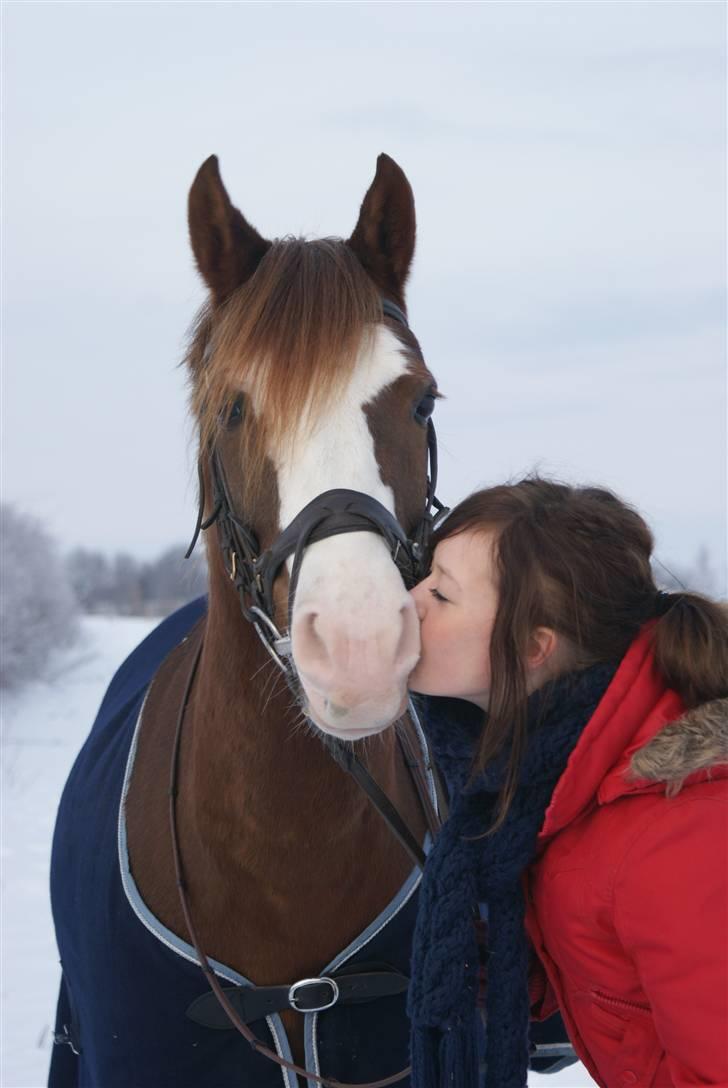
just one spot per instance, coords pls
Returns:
(135, 673)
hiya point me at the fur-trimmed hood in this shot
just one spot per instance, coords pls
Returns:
(640, 739)
(695, 742)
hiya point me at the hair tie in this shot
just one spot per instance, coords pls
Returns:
(663, 602)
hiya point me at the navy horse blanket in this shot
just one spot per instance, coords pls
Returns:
(128, 981)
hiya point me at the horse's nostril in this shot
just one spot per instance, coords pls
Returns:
(309, 641)
(408, 647)
(311, 628)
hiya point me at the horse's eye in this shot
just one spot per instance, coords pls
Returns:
(425, 408)
(234, 415)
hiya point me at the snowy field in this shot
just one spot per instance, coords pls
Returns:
(42, 729)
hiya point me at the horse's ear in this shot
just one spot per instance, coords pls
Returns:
(384, 237)
(227, 249)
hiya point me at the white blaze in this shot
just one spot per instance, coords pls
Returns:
(354, 631)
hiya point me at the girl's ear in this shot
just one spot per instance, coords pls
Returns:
(541, 647)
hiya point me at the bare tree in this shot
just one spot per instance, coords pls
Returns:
(127, 575)
(92, 579)
(132, 587)
(38, 610)
(171, 580)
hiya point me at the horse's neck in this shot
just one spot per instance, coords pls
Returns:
(261, 783)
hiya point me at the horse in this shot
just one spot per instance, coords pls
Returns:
(209, 818)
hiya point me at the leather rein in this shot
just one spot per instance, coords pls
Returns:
(253, 574)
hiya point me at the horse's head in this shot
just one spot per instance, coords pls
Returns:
(301, 384)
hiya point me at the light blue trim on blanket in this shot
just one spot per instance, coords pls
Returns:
(390, 911)
(184, 949)
(170, 939)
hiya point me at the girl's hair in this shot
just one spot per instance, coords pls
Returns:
(577, 559)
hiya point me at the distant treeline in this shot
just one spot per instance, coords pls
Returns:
(127, 586)
(44, 591)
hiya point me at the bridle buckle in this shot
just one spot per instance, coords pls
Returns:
(292, 999)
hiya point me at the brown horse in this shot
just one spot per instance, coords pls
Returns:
(300, 384)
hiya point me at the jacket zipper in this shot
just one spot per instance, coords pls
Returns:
(620, 1002)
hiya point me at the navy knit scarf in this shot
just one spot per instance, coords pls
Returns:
(460, 874)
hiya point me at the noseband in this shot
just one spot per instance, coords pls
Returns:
(333, 512)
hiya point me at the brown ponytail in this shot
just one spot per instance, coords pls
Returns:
(577, 559)
(691, 646)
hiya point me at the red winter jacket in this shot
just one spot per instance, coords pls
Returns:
(628, 896)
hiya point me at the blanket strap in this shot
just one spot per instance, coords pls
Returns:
(310, 995)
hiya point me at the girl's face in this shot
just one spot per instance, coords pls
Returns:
(457, 605)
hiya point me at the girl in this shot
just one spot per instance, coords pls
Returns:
(580, 718)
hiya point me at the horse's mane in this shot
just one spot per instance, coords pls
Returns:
(292, 333)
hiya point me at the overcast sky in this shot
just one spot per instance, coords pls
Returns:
(568, 163)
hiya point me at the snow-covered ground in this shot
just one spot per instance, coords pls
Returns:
(42, 729)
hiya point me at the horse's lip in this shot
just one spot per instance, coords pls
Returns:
(348, 734)
(310, 689)
(356, 734)
(342, 733)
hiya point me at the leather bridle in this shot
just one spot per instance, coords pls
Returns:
(253, 574)
(333, 512)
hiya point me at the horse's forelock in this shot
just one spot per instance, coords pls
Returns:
(291, 335)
